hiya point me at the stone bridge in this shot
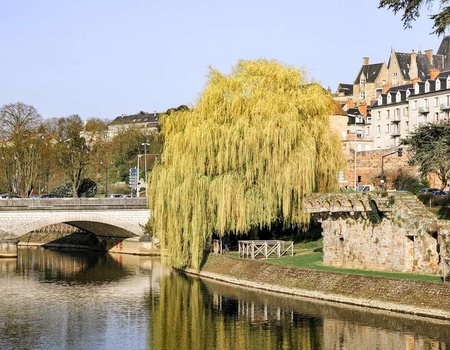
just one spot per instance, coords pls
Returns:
(387, 231)
(123, 217)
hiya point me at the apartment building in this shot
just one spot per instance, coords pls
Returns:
(411, 90)
(400, 110)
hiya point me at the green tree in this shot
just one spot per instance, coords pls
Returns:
(127, 144)
(429, 149)
(257, 141)
(412, 9)
(405, 181)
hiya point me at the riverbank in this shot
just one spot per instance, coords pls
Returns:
(418, 298)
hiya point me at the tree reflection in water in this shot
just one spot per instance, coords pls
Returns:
(190, 313)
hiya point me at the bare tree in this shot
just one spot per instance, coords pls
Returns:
(74, 151)
(19, 125)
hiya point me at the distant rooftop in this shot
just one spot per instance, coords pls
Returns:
(152, 119)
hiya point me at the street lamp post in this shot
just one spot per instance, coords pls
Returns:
(145, 144)
(106, 175)
(399, 151)
(138, 188)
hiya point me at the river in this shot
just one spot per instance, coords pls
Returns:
(84, 300)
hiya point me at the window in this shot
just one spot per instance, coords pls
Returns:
(436, 101)
(394, 79)
(362, 95)
(387, 143)
(359, 134)
(387, 127)
(415, 104)
(388, 114)
(406, 111)
(362, 82)
(379, 115)
(367, 130)
(378, 129)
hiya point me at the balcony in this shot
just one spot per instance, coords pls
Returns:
(395, 119)
(445, 106)
(424, 110)
(395, 133)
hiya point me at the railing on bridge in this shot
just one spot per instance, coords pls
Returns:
(251, 249)
(72, 203)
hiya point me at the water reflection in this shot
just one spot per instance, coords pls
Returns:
(189, 313)
(86, 300)
(68, 300)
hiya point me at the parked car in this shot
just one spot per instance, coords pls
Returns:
(116, 195)
(428, 190)
(9, 196)
(49, 195)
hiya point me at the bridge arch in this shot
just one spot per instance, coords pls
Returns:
(96, 223)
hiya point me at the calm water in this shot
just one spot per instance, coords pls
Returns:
(77, 300)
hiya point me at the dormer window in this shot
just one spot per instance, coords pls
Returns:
(438, 84)
(398, 97)
(427, 86)
(416, 89)
(380, 100)
(389, 98)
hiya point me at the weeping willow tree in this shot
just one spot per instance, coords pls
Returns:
(255, 143)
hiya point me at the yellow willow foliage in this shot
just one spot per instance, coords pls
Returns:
(257, 141)
(185, 315)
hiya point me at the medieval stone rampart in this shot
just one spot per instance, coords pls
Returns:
(386, 231)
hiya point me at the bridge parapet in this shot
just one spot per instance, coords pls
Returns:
(72, 203)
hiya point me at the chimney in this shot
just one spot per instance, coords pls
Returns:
(429, 54)
(434, 73)
(363, 109)
(413, 69)
(365, 61)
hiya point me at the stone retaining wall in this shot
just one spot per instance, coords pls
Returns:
(404, 296)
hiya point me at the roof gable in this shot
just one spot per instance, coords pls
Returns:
(370, 72)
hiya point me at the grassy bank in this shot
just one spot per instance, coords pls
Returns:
(308, 255)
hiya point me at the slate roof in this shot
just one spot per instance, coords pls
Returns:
(345, 89)
(150, 119)
(423, 64)
(370, 71)
(444, 50)
(401, 87)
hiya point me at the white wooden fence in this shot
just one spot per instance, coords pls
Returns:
(253, 249)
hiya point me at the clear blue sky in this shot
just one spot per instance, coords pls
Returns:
(102, 58)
